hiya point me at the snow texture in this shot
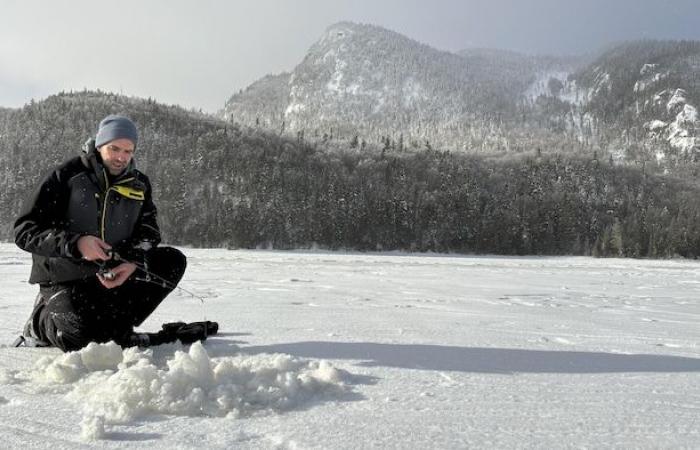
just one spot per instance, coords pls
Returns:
(570, 92)
(679, 135)
(92, 428)
(333, 350)
(648, 77)
(191, 384)
(602, 82)
(679, 131)
(678, 99)
(655, 125)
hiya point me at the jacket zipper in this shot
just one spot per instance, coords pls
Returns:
(104, 204)
(104, 201)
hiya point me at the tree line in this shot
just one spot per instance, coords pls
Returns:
(218, 184)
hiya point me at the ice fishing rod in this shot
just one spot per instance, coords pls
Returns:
(107, 273)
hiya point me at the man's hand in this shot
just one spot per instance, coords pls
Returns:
(121, 273)
(93, 248)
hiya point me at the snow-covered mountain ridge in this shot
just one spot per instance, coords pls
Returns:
(366, 81)
(362, 79)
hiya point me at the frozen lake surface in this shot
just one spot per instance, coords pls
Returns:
(334, 350)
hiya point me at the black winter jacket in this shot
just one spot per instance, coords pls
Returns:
(80, 198)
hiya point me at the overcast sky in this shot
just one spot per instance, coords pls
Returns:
(197, 53)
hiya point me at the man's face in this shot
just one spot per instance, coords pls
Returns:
(116, 155)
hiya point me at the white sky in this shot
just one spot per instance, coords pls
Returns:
(198, 53)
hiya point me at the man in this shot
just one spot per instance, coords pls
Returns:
(91, 228)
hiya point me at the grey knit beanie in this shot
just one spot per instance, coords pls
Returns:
(116, 127)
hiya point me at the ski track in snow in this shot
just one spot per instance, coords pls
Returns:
(334, 350)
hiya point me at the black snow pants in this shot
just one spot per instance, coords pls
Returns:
(77, 313)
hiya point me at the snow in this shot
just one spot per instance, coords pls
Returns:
(92, 428)
(645, 83)
(689, 114)
(379, 101)
(581, 124)
(330, 54)
(338, 350)
(413, 92)
(678, 134)
(602, 81)
(540, 87)
(336, 80)
(335, 33)
(684, 119)
(296, 100)
(188, 383)
(647, 68)
(677, 99)
(570, 92)
(659, 97)
(294, 108)
(655, 125)
(354, 89)
(336, 83)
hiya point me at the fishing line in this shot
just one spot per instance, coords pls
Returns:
(160, 281)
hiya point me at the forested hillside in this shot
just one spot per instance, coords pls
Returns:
(223, 184)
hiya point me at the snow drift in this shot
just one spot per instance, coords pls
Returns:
(112, 385)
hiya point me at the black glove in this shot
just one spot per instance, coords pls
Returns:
(188, 333)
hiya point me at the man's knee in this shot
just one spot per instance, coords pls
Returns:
(168, 262)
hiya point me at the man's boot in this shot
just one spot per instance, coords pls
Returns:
(30, 335)
(187, 333)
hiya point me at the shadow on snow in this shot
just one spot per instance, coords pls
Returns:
(481, 360)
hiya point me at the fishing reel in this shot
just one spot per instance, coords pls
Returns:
(106, 266)
(107, 274)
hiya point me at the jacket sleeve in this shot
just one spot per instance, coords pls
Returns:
(39, 229)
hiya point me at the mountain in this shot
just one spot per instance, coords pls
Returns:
(366, 80)
(647, 93)
(636, 101)
(267, 99)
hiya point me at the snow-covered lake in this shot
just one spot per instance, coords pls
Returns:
(333, 350)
